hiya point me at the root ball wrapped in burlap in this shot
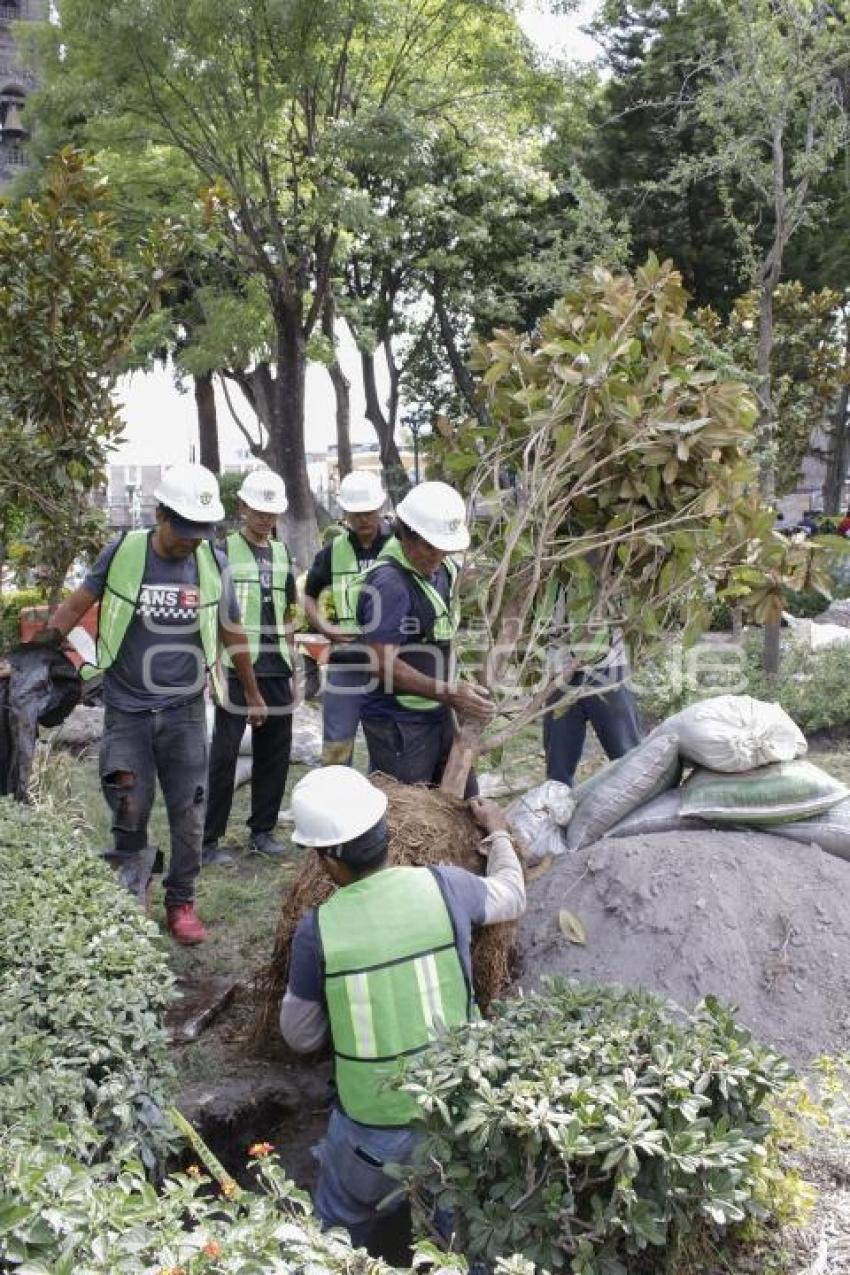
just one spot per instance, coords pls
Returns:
(427, 826)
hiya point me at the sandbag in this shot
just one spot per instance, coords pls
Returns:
(830, 831)
(780, 793)
(539, 818)
(734, 733)
(621, 787)
(662, 814)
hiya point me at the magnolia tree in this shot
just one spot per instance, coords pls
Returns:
(613, 489)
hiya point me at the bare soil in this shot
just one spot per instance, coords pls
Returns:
(755, 920)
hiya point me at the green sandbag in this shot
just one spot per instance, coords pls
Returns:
(621, 787)
(779, 793)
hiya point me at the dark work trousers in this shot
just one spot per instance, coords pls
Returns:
(415, 751)
(271, 745)
(342, 700)
(168, 744)
(611, 713)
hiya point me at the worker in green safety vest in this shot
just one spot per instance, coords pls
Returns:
(166, 610)
(334, 579)
(407, 611)
(260, 570)
(382, 967)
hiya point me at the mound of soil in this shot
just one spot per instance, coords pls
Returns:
(759, 922)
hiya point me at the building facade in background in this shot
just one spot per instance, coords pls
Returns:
(16, 83)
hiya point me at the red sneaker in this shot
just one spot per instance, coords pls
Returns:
(184, 925)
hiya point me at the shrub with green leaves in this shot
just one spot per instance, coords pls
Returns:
(587, 1124)
(82, 989)
(58, 1217)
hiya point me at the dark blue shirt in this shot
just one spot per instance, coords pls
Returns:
(392, 610)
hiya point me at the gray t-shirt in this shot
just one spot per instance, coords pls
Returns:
(161, 661)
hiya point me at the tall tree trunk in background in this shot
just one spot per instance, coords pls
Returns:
(767, 438)
(287, 441)
(395, 478)
(342, 392)
(460, 372)
(207, 422)
(839, 443)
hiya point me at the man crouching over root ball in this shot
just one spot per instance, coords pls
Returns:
(165, 611)
(383, 965)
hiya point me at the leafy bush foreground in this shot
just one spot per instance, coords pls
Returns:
(572, 1129)
(590, 1124)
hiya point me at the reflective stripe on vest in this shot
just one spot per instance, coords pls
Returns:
(393, 980)
(346, 578)
(124, 579)
(245, 574)
(446, 614)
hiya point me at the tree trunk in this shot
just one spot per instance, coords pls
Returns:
(767, 441)
(207, 422)
(396, 479)
(467, 742)
(839, 447)
(281, 408)
(342, 393)
(460, 372)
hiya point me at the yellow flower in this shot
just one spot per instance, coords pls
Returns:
(260, 1150)
(194, 1170)
(228, 1188)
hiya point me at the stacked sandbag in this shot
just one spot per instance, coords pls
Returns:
(620, 788)
(735, 733)
(830, 831)
(539, 818)
(783, 792)
(661, 814)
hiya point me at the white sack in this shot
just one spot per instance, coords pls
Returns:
(734, 733)
(539, 818)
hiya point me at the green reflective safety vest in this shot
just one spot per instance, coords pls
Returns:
(124, 580)
(346, 577)
(446, 614)
(393, 980)
(245, 575)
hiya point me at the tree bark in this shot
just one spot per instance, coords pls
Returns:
(839, 445)
(460, 372)
(278, 399)
(395, 478)
(342, 392)
(207, 422)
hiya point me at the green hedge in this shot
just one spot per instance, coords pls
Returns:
(85, 1084)
(82, 990)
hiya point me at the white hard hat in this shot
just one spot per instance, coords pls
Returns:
(191, 491)
(436, 512)
(264, 491)
(335, 804)
(361, 493)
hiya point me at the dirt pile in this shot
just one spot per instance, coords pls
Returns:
(759, 922)
(426, 827)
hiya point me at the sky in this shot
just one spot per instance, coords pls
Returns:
(161, 421)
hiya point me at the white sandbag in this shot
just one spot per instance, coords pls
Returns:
(662, 814)
(306, 736)
(817, 635)
(539, 818)
(621, 787)
(779, 793)
(734, 733)
(830, 831)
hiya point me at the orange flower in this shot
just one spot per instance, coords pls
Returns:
(212, 1249)
(260, 1150)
